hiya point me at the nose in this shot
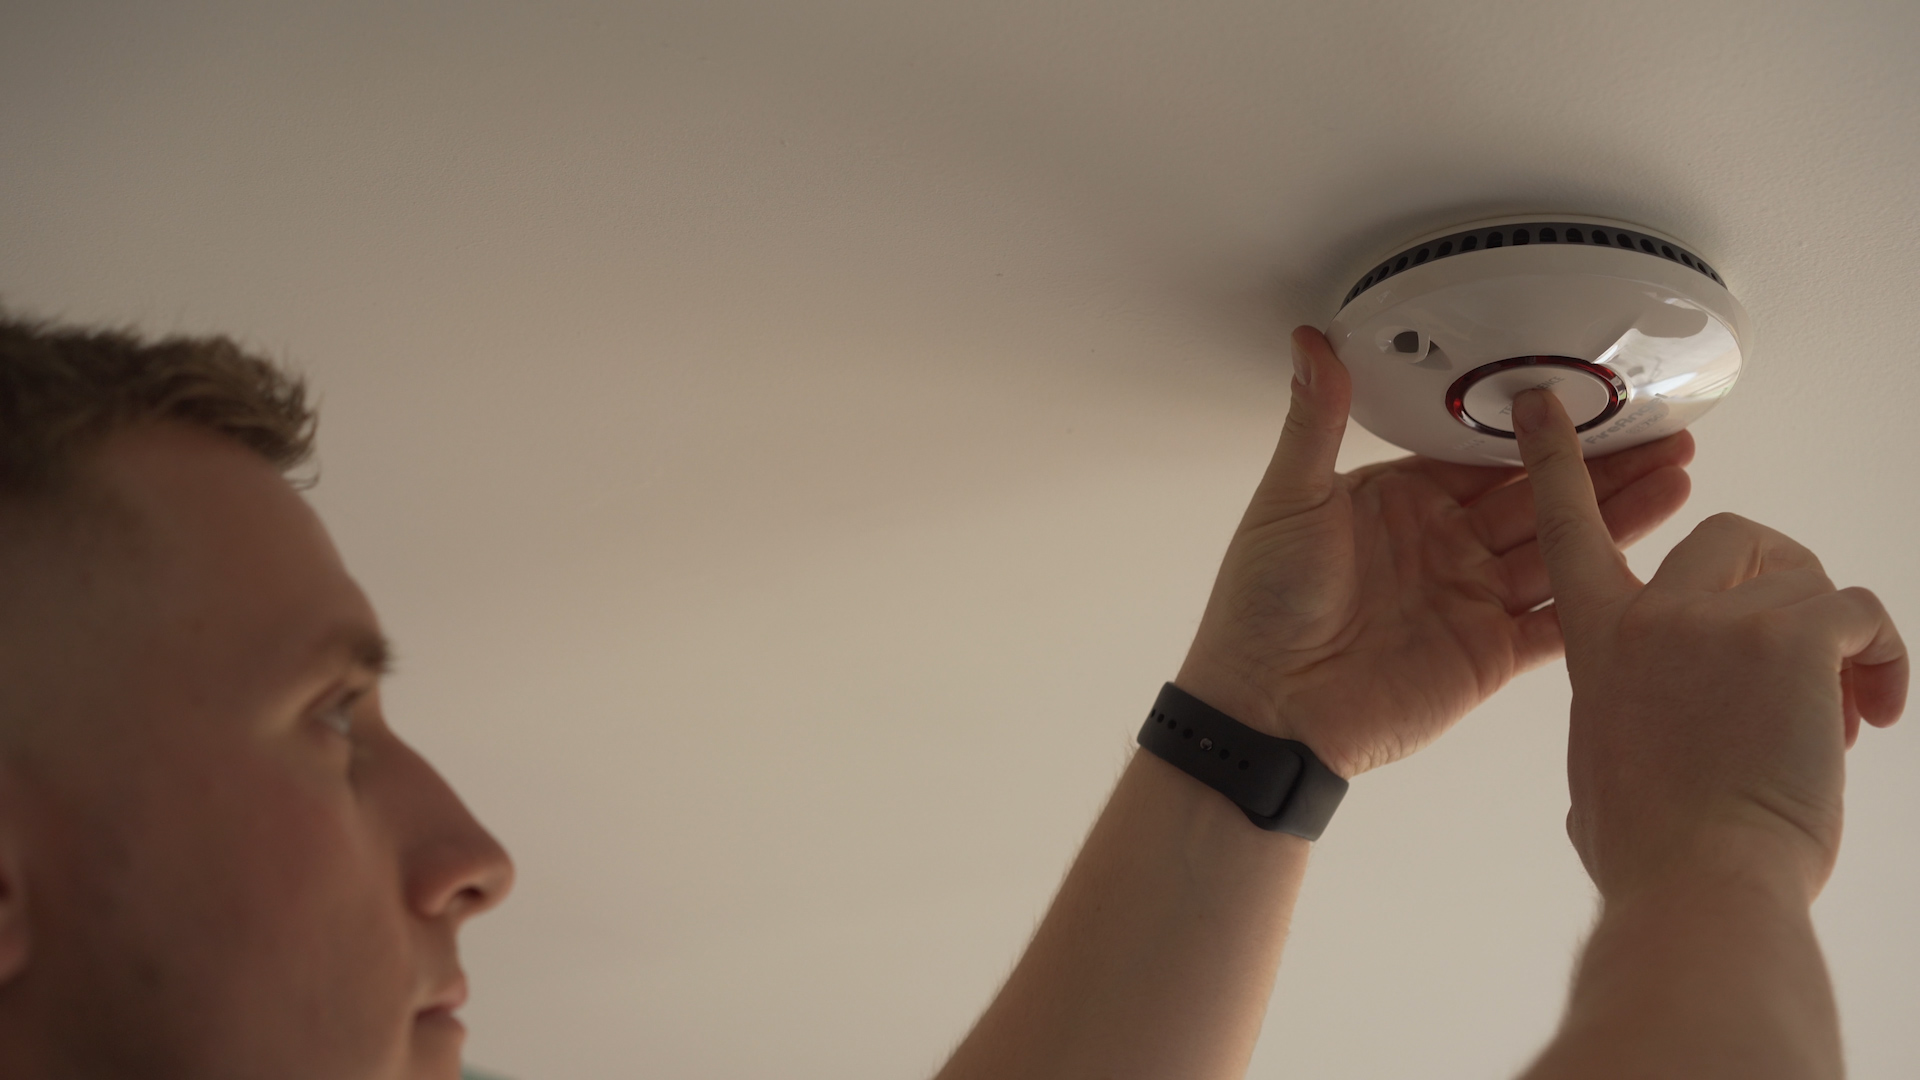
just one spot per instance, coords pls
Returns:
(452, 866)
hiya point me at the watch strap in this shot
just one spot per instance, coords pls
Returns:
(1278, 783)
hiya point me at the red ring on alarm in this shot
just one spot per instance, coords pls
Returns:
(1457, 393)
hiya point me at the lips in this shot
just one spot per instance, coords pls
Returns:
(449, 998)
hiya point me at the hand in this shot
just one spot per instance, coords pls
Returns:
(1364, 613)
(1712, 705)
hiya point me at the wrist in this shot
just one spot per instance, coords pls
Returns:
(1237, 696)
(1730, 864)
(1203, 819)
(1700, 974)
(1247, 701)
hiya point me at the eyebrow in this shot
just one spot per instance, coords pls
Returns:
(362, 646)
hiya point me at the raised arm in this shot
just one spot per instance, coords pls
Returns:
(1712, 708)
(1361, 614)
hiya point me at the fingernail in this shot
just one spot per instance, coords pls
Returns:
(1302, 367)
(1529, 411)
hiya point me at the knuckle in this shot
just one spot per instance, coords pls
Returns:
(1775, 633)
(1558, 526)
(1801, 553)
(1809, 581)
(1728, 523)
(1297, 424)
(1863, 596)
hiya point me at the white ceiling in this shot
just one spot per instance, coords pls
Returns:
(791, 444)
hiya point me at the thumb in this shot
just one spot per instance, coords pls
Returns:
(1301, 473)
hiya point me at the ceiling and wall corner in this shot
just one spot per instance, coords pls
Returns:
(791, 443)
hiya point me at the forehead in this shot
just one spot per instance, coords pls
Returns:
(236, 570)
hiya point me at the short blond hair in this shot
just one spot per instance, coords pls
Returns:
(64, 389)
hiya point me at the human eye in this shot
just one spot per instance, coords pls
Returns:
(337, 716)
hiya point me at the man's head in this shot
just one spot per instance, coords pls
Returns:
(215, 857)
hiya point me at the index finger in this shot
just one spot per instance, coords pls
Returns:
(1582, 561)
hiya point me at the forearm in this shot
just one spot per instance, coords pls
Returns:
(1159, 953)
(1704, 979)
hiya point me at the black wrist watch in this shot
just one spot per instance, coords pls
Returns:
(1278, 783)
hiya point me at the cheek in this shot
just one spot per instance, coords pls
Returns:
(275, 916)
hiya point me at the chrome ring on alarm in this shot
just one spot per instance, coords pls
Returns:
(1482, 399)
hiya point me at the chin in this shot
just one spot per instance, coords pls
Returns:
(438, 1036)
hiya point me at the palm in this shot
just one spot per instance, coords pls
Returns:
(1414, 625)
(1407, 596)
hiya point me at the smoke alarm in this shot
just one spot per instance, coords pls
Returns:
(1635, 334)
